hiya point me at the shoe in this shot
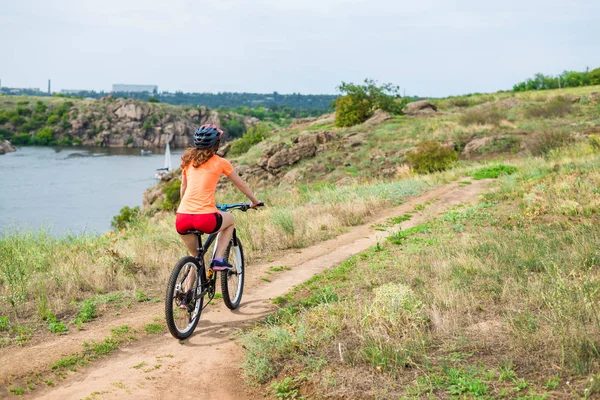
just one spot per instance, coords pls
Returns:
(221, 265)
(187, 297)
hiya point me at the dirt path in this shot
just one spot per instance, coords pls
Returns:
(165, 364)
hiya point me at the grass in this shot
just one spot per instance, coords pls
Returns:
(492, 300)
(493, 171)
(154, 329)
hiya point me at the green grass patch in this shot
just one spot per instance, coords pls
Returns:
(493, 171)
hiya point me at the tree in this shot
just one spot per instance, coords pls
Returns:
(359, 102)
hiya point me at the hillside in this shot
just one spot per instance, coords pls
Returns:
(480, 127)
(107, 122)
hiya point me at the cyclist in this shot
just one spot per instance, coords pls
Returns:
(201, 170)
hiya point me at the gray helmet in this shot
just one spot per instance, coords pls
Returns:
(207, 136)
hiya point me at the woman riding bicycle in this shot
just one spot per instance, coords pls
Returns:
(201, 170)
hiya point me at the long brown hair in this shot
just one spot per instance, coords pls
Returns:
(197, 156)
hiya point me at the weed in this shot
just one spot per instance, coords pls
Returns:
(431, 156)
(264, 278)
(140, 365)
(55, 326)
(400, 219)
(557, 107)
(87, 312)
(4, 324)
(400, 236)
(17, 390)
(154, 329)
(285, 389)
(141, 297)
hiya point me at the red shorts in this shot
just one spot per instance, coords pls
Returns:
(207, 223)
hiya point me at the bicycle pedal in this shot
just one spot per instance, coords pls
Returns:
(210, 273)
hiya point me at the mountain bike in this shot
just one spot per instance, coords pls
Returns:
(192, 279)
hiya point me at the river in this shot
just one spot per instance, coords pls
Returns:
(73, 190)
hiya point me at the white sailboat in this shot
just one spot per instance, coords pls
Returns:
(160, 172)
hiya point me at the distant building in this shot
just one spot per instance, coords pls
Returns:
(119, 87)
(71, 91)
(10, 90)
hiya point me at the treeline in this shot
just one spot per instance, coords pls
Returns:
(231, 100)
(564, 80)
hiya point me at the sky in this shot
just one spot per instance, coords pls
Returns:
(427, 47)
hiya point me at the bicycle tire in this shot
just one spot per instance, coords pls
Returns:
(237, 252)
(169, 301)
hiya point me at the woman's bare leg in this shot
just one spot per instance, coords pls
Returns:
(225, 234)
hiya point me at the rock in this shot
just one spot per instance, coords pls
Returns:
(305, 145)
(129, 110)
(475, 145)
(378, 117)
(292, 176)
(6, 147)
(594, 96)
(422, 107)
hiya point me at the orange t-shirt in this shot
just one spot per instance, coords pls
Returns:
(199, 196)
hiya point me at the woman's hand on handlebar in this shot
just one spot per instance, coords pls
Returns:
(256, 204)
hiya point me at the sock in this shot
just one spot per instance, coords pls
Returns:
(219, 260)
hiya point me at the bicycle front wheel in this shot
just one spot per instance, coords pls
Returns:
(232, 281)
(182, 309)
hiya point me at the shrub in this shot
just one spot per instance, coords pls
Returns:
(5, 133)
(459, 102)
(21, 139)
(172, 191)
(482, 116)
(44, 137)
(234, 127)
(493, 171)
(52, 120)
(147, 125)
(350, 111)
(431, 156)
(126, 216)
(557, 107)
(255, 135)
(153, 100)
(545, 141)
(4, 118)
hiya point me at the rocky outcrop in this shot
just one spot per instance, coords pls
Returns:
(111, 122)
(505, 104)
(423, 107)
(6, 147)
(305, 145)
(378, 117)
(571, 98)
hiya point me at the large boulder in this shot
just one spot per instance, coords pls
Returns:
(422, 107)
(6, 147)
(378, 117)
(305, 145)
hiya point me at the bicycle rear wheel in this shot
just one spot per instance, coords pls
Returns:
(182, 287)
(232, 281)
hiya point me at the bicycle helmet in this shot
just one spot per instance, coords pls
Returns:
(207, 136)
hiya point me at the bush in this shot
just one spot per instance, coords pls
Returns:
(44, 137)
(557, 107)
(595, 141)
(52, 120)
(126, 216)
(545, 141)
(172, 191)
(22, 139)
(4, 118)
(360, 101)
(153, 100)
(255, 134)
(482, 116)
(5, 133)
(431, 156)
(459, 102)
(234, 127)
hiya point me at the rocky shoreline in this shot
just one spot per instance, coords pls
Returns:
(6, 147)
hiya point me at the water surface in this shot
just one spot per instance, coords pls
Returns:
(73, 190)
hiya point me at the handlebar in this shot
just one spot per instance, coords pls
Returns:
(238, 206)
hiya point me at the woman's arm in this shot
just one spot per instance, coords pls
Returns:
(243, 186)
(183, 185)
